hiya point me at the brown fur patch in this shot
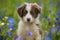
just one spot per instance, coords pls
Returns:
(35, 10)
(21, 11)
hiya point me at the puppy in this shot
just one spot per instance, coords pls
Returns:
(29, 25)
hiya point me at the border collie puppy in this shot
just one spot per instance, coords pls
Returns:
(29, 25)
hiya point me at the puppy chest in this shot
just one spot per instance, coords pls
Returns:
(28, 32)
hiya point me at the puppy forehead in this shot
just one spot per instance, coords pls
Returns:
(28, 7)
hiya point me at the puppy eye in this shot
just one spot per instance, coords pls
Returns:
(25, 11)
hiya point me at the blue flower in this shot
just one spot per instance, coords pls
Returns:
(15, 37)
(46, 33)
(47, 38)
(10, 25)
(49, 19)
(57, 22)
(0, 17)
(53, 30)
(11, 20)
(12, 28)
(1, 38)
(29, 33)
(58, 27)
(57, 18)
(58, 12)
(1, 29)
(50, 35)
(50, 11)
(9, 33)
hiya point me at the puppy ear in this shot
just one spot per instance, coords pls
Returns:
(20, 9)
(37, 7)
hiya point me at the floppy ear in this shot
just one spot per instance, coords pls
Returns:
(37, 7)
(20, 10)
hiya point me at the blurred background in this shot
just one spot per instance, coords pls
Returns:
(50, 18)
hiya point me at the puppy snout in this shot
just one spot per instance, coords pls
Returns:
(28, 19)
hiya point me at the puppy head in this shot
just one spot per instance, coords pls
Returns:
(29, 12)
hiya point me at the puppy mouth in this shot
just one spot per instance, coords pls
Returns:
(29, 21)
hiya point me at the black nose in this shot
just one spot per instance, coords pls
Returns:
(28, 19)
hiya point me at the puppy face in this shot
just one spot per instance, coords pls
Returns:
(29, 12)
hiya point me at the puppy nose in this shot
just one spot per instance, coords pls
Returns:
(28, 19)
